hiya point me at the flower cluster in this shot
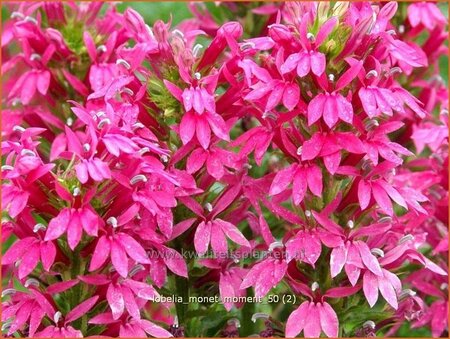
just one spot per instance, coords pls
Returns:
(146, 161)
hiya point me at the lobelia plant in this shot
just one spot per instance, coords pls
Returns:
(287, 159)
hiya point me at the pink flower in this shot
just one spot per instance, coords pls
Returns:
(427, 14)
(313, 318)
(302, 177)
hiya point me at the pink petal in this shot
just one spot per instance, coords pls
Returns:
(187, 127)
(316, 108)
(154, 330)
(282, 180)
(332, 162)
(318, 63)
(130, 303)
(291, 96)
(296, 321)
(218, 126)
(331, 111)
(299, 186)
(345, 109)
(175, 262)
(314, 179)
(382, 199)
(29, 261)
(133, 248)
(74, 230)
(304, 64)
(202, 237)
(363, 194)
(370, 287)
(338, 258)
(196, 160)
(218, 241)
(80, 310)
(203, 132)
(387, 291)
(58, 225)
(312, 326)
(368, 258)
(119, 258)
(101, 253)
(232, 232)
(274, 97)
(115, 300)
(328, 320)
(48, 254)
(290, 63)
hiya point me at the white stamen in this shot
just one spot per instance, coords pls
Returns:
(276, 244)
(124, 63)
(57, 316)
(394, 70)
(385, 219)
(407, 293)
(299, 150)
(7, 325)
(138, 178)
(144, 150)
(308, 213)
(27, 152)
(350, 224)
(138, 125)
(39, 227)
(31, 19)
(175, 322)
(377, 251)
(136, 269)
(76, 192)
(16, 102)
(314, 286)
(401, 29)
(331, 77)
(444, 112)
(86, 147)
(372, 74)
(257, 316)
(31, 281)
(247, 45)
(101, 48)
(443, 286)
(391, 32)
(234, 321)
(8, 291)
(7, 168)
(104, 122)
(208, 207)
(178, 32)
(197, 75)
(15, 15)
(69, 121)
(196, 49)
(18, 128)
(127, 90)
(369, 324)
(310, 37)
(112, 221)
(371, 123)
(164, 158)
(35, 56)
(406, 238)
